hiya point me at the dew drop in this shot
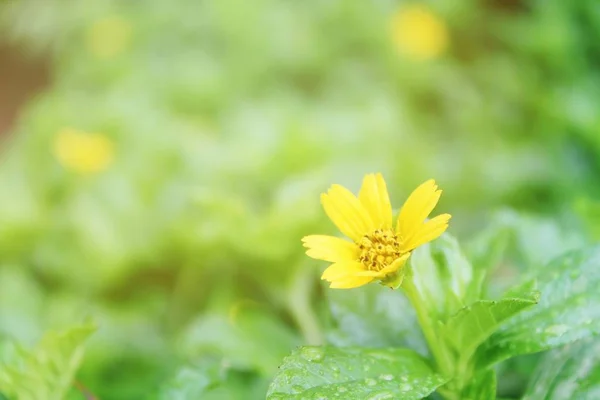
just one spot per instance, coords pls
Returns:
(404, 378)
(405, 387)
(366, 368)
(312, 354)
(370, 382)
(342, 389)
(386, 377)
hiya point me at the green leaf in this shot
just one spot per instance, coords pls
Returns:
(572, 372)
(213, 379)
(47, 371)
(481, 387)
(473, 324)
(372, 316)
(539, 240)
(568, 310)
(249, 337)
(442, 275)
(485, 252)
(354, 373)
(534, 241)
(193, 381)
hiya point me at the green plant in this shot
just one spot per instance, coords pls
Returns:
(47, 371)
(466, 333)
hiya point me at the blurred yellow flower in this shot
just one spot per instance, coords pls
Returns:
(109, 37)
(82, 152)
(418, 34)
(378, 251)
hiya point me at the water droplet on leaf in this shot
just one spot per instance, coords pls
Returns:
(405, 387)
(312, 354)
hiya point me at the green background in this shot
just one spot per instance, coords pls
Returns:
(229, 118)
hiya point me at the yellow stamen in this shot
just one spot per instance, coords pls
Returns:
(379, 249)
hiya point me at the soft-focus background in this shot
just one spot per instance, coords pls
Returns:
(161, 161)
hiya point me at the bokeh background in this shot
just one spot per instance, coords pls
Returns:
(161, 160)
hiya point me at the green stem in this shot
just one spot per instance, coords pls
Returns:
(437, 348)
(299, 305)
(464, 370)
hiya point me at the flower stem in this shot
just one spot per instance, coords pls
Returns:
(299, 305)
(438, 349)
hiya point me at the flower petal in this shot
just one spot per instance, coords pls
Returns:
(344, 275)
(393, 267)
(329, 248)
(346, 212)
(351, 282)
(416, 209)
(342, 270)
(375, 198)
(429, 231)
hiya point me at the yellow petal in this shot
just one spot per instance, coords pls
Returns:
(393, 267)
(375, 198)
(342, 270)
(329, 248)
(351, 282)
(346, 212)
(429, 231)
(416, 209)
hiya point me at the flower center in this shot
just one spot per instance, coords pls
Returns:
(379, 249)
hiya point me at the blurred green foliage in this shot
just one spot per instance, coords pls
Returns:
(228, 118)
(47, 371)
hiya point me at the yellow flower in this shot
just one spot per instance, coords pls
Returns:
(378, 250)
(418, 33)
(82, 152)
(109, 37)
